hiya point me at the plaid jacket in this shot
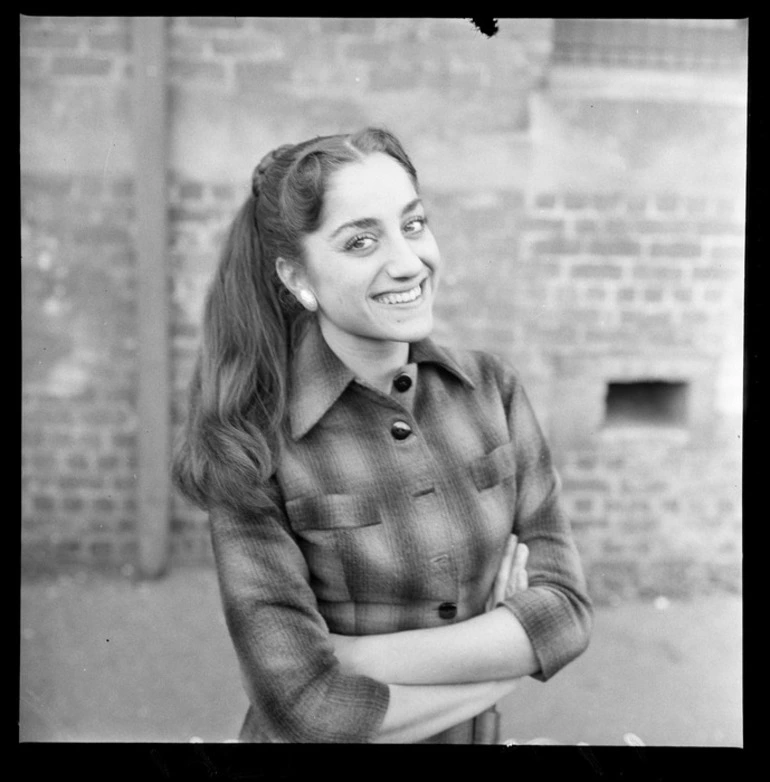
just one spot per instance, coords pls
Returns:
(397, 510)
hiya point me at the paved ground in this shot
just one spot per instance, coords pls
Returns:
(106, 659)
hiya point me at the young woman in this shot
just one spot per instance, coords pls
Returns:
(365, 486)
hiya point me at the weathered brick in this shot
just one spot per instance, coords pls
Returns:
(726, 207)
(636, 205)
(127, 525)
(653, 293)
(48, 39)
(260, 47)
(556, 246)
(552, 225)
(81, 66)
(728, 253)
(108, 462)
(575, 201)
(365, 26)
(224, 193)
(124, 440)
(69, 550)
(713, 295)
(545, 201)
(663, 227)
(104, 505)
(77, 462)
(696, 205)
(193, 71)
(101, 551)
(675, 250)
(72, 504)
(394, 76)
(32, 68)
(713, 272)
(379, 53)
(586, 225)
(657, 272)
(720, 227)
(614, 247)
(606, 202)
(44, 503)
(100, 233)
(114, 41)
(603, 271)
(215, 22)
(574, 484)
(128, 551)
(258, 75)
(667, 202)
(595, 294)
(191, 191)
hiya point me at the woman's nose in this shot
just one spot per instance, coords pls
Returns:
(403, 261)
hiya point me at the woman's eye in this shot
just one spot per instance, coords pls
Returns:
(415, 225)
(358, 243)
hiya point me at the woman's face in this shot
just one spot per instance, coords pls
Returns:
(373, 262)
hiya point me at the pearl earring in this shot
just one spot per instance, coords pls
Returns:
(308, 300)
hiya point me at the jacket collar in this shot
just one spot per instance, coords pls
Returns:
(319, 377)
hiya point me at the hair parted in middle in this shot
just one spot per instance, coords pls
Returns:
(239, 389)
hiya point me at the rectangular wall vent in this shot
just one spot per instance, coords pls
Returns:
(646, 403)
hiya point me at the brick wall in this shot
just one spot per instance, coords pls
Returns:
(78, 294)
(585, 231)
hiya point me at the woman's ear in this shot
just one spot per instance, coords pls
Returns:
(293, 276)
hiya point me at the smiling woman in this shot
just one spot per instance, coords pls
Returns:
(391, 549)
(370, 267)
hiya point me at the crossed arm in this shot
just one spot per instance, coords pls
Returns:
(441, 676)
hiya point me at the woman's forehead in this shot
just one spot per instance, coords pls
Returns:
(377, 182)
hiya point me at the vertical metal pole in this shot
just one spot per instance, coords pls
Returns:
(150, 117)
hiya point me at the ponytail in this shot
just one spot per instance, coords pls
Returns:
(237, 397)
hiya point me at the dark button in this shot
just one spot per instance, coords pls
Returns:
(447, 610)
(400, 430)
(402, 383)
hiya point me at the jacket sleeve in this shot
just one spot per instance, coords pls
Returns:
(293, 679)
(555, 610)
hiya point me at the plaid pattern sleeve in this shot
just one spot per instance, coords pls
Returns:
(295, 686)
(555, 611)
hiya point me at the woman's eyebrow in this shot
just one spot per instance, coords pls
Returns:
(364, 222)
(371, 222)
(411, 205)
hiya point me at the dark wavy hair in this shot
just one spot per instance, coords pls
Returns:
(236, 415)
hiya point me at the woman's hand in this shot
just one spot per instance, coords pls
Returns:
(345, 647)
(511, 576)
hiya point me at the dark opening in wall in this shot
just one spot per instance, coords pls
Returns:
(646, 403)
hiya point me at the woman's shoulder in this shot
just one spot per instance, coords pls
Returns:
(483, 367)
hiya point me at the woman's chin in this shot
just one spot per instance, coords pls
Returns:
(412, 332)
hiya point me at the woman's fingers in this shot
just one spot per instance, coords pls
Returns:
(518, 580)
(504, 571)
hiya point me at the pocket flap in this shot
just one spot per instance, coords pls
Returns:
(333, 511)
(495, 467)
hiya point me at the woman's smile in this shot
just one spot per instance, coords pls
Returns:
(396, 297)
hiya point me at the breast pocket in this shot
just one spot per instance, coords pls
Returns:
(494, 468)
(494, 476)
(333, 512)
(340, 535)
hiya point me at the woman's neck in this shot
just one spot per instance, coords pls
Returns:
(372, 360)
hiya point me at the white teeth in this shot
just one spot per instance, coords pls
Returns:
(400, 298)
